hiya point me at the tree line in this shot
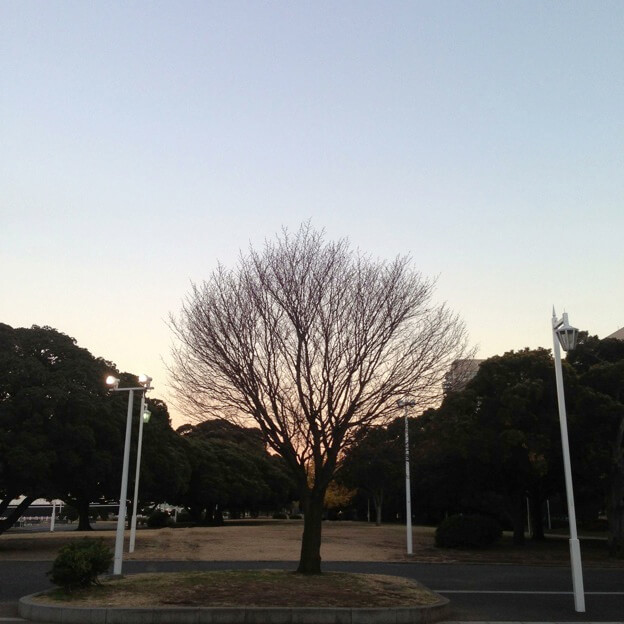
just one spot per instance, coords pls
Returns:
(488, 448)
(495, 445)
(62, 437)
(312, 343)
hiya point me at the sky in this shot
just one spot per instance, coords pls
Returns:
(143, 142)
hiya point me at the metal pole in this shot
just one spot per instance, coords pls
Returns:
(408, 490)
(136, 477)
(53, 516)
(575, 549)
(121, 518)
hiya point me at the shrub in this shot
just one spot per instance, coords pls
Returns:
(467, 532)
(69, 513)
(295, 516)
(79, 564)
(159, 519)
(184, 517)
(280, 515)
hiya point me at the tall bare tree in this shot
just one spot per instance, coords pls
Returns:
(313, 341)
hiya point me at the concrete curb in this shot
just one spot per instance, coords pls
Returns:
(53, 614)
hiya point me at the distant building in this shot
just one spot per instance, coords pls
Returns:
(619, 334)
(460, 373)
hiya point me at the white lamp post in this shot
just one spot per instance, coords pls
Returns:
(53, 518)
(123, 495)
(144, 414)
(567, 336)
(405, 403)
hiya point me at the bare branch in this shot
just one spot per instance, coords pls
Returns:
(312, 341)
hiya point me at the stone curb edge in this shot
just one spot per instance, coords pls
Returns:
(52, 614)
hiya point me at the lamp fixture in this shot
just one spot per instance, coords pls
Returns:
(145, 380)
(567, 335)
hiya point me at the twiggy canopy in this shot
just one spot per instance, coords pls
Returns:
(312, 341)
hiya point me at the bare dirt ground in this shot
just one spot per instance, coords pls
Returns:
(279, 540)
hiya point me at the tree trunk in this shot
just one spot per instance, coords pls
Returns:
(378, 500)
(537, 518)
(83, 515)
(7, 501)
(15, 515)
(615, 514)
(218, 516)
(196, 512)
(516, 515)
(615, 498)
(310, 559)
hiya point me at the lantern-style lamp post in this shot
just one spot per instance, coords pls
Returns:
(144, 416)
(566, 336)
(113, 382)
(405, 403)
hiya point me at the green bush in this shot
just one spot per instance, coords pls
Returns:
(79, 564)
(295, 516)
(280, 515)
(184, 517)
(159, 519)
(69, 513)
(467, 532)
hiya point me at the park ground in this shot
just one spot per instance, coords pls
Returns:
(279, 540)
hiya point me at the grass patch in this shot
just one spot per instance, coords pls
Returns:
(254, 588)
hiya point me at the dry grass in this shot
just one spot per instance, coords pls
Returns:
(259, 588)
(275, 540)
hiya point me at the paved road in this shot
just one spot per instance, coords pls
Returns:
(477, 592)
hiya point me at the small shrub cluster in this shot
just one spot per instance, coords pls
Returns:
(295, 516)
(279, 515)
(184, 517)
(68, 513)
(472, 531)
(79, 564)
(159, 519)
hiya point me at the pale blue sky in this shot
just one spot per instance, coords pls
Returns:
(144, 141)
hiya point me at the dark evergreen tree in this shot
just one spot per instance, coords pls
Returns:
(600, 364)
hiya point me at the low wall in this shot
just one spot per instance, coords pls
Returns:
(34, 611)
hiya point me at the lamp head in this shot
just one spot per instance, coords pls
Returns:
(567, 335)
(112, 381)
(145, 380)
(406, 402)
(146, 416)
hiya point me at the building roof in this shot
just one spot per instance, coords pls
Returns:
(460, 373)
(619, 334)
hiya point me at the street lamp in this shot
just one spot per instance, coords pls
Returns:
(567, 336)
(144, 415)
(405, 403)
(113, 382)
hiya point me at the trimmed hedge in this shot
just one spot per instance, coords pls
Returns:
(79, 564)
(472, 531)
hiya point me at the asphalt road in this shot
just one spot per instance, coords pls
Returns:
(477, 592)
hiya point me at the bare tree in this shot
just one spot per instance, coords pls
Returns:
(313, 341)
